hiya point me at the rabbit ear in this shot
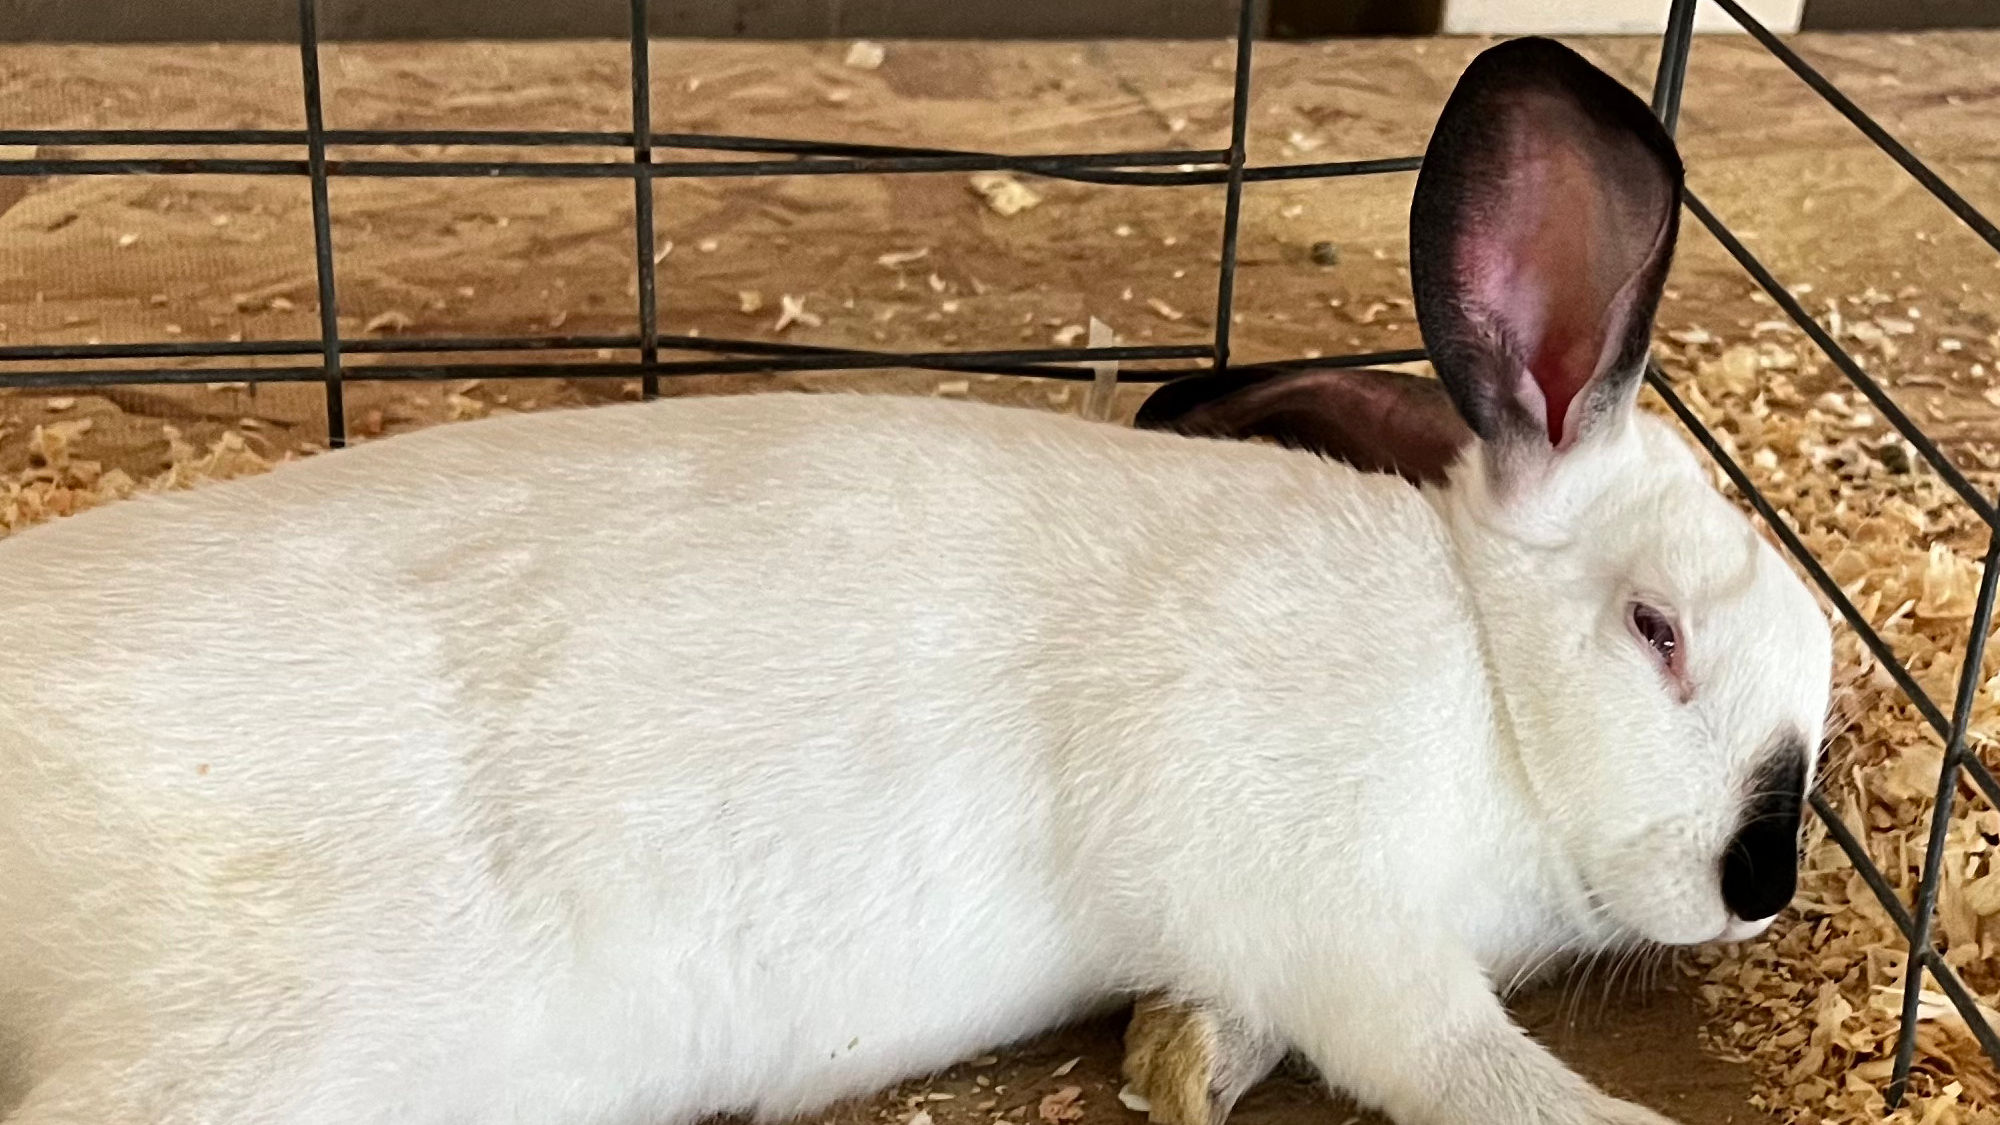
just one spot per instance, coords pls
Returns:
(1540, 233)
(1376, 421)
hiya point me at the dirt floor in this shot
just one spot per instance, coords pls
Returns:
(914, 262)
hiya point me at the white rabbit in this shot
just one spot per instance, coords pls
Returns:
(635, 764)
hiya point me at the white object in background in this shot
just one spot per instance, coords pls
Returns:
(1104, 386)
(1603, 17)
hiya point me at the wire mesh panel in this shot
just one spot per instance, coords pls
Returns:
(651, 158)
(1915, 921)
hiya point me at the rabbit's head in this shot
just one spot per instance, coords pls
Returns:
(1661, 671)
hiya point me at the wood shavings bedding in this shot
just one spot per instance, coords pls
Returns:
(61, 482)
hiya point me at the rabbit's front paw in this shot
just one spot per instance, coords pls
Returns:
(1192, 1062)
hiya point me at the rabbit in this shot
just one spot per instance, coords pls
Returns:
(745, 754)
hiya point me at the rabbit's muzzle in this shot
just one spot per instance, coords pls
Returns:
(1760, 868)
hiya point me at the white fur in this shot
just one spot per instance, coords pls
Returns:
(742, 754)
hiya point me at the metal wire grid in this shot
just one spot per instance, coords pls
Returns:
(1157, 168)
(784, 157)
(1959, 764)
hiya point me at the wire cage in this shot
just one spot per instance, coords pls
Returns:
(665, 155)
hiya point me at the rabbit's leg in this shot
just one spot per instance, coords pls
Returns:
(1192, 1062)
(1427, 1041)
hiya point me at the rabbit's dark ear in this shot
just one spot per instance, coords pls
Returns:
(1376, 421)
(1540, 233)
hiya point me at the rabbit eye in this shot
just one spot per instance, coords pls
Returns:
(1657, 630)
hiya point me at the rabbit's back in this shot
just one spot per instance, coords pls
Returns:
(710, 738)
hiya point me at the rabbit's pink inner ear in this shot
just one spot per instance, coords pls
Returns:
(1552, 259)
(1540, 231)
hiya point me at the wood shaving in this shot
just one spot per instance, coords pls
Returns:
(1065, 1104)
(792, 310)
(394, 320)
(463, 408)
(1003, 193)
(865, 55)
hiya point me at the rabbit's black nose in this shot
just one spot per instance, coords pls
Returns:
(1760, 870)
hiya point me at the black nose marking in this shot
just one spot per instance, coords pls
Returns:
(1760, 870)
